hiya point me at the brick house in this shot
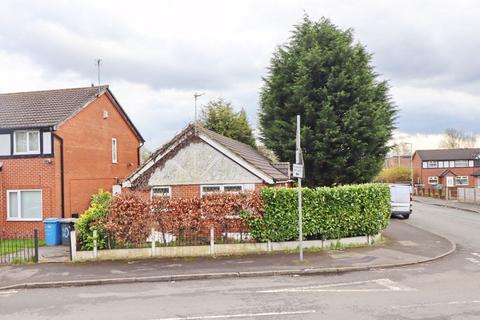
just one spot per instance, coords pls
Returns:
(198, 161)
(437, 169)
(57, 148)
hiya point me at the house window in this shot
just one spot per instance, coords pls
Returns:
(24, 205)
(221, 188)
(237, 188)
(461, 163)
(433, 180)
(424, 164)
(161, 192)
(114, 150)
(440, 164)
(26, 142)
(461, 180)
(470, 163)
(432, 164)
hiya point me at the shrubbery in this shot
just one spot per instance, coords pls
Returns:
(328, 213)
(394, 175)
(94, 219)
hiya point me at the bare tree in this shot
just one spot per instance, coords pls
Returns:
(453, 138)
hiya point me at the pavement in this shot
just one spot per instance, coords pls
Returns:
(452, 204)
(403, 244)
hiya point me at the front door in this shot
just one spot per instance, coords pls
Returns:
(449, 181)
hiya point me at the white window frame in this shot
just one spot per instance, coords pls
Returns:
(424, 165)
(114, 150)
(462, 184)
(19, 205)
(27, 132)
(433, 178)
(432, 164)
(168, 195)
(463, 166)
(221, 187)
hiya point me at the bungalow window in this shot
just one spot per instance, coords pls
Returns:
(24, 205)
(221, 188)
(161, 192)
(461, 163)
(432, 164)
(26, 142)
(114, 151)
(461, 180)
(433, 180)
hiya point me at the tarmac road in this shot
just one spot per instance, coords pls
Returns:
(445, 289)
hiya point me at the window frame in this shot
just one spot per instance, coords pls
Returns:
(168, 195)
(114, 150)
(19, 205)
(27, 132)
(463, 166)
(462, 184)
(430, 164)
(221, 188)
(431, 178)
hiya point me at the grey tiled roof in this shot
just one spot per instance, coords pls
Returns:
(449, 154)
(43, 108)
(249, 154)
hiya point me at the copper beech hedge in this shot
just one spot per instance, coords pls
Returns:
(131, 216)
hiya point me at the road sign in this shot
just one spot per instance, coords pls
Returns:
(297, 171)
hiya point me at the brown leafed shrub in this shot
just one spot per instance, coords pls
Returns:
(129, 219)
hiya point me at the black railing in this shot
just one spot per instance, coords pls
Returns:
(19, 248)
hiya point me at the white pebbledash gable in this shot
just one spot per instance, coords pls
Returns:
(200, 163)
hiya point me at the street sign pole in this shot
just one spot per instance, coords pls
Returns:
(299, 161)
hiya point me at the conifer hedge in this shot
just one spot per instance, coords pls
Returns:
(328, 212)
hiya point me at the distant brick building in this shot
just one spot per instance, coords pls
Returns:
(199, 161)
(437, 169)
(57, 148)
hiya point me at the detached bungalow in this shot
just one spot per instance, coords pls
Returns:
(198, 161)
(57, 148)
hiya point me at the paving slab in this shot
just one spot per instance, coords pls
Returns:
(404, 244)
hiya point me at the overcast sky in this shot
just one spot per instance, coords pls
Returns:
(156, 54)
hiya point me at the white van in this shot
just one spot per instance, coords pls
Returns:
(401, 200)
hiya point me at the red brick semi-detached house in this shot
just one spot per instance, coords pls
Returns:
(440, 168)
(57, 148)
(198, 161)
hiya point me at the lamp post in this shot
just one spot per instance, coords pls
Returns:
(411, 162)
(196, 96)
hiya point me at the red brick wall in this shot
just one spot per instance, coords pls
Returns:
(88, 153)
(421, 174)
(36, 173)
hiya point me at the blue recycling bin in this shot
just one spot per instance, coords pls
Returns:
(53, 234)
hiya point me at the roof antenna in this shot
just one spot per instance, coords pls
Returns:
(196, 95)
(99, 63)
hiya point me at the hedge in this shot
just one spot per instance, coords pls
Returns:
(328, 212)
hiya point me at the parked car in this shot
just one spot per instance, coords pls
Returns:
(401, 200)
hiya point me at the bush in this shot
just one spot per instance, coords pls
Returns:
(328, 213)
(129, 219)
(394, 175)
(94, 219)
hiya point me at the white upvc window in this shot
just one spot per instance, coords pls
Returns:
(470, 163)
(24, 205)
(432, 164)
(461, 180)
(114, 150)
(26, 142)
(163, 191)
(433, 180)
(461, 163)
(424, 164)
(205, 189)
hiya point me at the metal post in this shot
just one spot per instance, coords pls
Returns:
(212, 241)
(35, 240)
(95, 244)
(299, 187)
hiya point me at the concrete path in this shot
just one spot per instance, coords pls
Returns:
(405, 244)
(452, 204)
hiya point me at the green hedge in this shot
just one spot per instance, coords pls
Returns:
(328, 213)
